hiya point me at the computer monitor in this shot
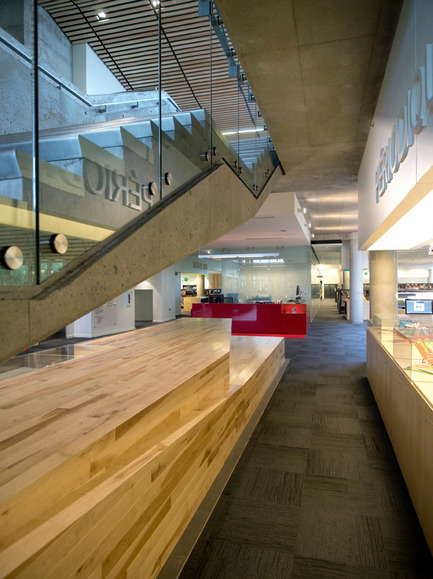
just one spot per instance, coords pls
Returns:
(418, 306)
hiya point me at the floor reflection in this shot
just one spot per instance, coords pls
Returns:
(35, 360)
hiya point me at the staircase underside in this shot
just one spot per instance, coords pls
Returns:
(203, 211)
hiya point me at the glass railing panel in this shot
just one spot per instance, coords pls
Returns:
(17, 203)
(185, 66)
(99, 141)
(112, 143)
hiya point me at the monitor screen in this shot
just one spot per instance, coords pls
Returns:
(418, 306)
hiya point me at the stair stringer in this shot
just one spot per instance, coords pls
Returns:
(207, 208)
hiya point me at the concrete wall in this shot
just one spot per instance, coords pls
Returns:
(57, 106)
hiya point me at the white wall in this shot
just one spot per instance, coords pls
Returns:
(166, 285)
(116, 316)
(90, 74)
(408, 52)
(413, 275)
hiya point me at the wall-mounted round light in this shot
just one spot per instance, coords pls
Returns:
(153, 188)
(59, 243)
(12, 257)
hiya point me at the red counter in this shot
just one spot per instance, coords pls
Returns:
(285, 320)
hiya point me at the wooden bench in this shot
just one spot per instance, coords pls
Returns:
(105, 458)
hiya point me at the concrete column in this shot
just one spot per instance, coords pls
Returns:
(200, 285)
(430, 275)
(383, 284)
(356, 283)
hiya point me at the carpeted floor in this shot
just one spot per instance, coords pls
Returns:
(317, 493)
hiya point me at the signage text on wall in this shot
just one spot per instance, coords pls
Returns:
(412, 119)
(119, 188)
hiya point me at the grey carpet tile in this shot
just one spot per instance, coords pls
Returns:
(298, 419)
(270, 486)
(333, 423)
(340, 495)
(341, 537)
(318, 493)
(286, 459)
(284, 436)
(229, 560)
(323, 440)
(304, 568)
(348, 463)
(263, 524)
(400, 547)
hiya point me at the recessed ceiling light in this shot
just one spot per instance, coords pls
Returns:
(155, 3)
(102, 15)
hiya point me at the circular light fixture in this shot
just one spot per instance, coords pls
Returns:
(153, 188)
(168, 178)
(59, 243)
(12, 257)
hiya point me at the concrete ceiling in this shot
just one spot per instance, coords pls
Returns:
(315, 68)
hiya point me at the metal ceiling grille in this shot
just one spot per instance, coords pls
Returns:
(127, 42)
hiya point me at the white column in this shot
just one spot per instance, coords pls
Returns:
(383, 285)
(345, 264)
(164, 302)
(356, 282)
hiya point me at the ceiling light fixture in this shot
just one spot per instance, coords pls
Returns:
(101, 15)
(155, 3)
(242, 131)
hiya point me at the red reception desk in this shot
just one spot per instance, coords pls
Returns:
(285, 320)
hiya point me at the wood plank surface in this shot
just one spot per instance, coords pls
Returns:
(106, 458)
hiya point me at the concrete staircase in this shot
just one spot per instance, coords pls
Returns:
(99, 186)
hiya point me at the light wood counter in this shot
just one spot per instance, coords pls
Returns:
(405, 401)
(189, 300)
(106, 458)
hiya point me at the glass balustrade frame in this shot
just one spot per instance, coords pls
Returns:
(68, 186)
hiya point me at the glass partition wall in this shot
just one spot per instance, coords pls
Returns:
(106, 114)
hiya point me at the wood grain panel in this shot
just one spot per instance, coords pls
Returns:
(408, 417)
(105, 486)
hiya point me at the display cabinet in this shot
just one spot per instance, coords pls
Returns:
(400, 373)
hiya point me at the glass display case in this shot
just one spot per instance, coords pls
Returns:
(409, 340)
